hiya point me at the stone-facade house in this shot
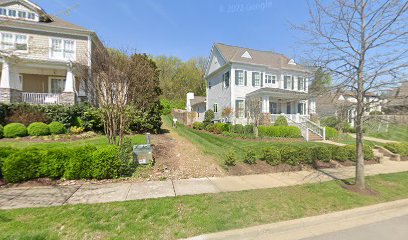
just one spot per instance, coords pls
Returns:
(38, 53)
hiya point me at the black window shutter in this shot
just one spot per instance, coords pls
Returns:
(236, 77)
(262, 79)
(285, 83)
(293, 82)
(245, 78)
(299, 83)
(253, 79)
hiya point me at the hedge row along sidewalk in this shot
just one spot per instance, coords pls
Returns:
(188, 216)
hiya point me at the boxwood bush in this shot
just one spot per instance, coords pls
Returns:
(272, 156)
(218, 128)
(14, 130)
(237, 128)
(249, 156)
(279, 131)
(398, 148)
(321, 153)
(291, 155)
(331, 133)
(79, 165)
(281, 121)
(57, 128)
(198, 125)
(53, 162)
(22, 165)
(38, 129)
(4, 153)
(105, 163)
(1, 131)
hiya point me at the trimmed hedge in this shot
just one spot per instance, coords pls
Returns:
(22, 166)
(292, 155)
(218, 128)
(198, 126)
(14, 130)
(84, 162)
(398, 148)
(57, 128)
(321, 153)
(272, 156)
(1, 131)
(38, 129)
(281, 121)
(279, 131)
(331, 133)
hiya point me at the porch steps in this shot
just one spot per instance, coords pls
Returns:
(314, 137)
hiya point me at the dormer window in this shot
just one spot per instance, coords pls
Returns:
(3, 11)
(31, 16)
(22, 14)
(15, 13)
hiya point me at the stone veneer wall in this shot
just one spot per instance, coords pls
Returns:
(67, 98)
(9, 95)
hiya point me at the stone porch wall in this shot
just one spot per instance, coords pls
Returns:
(9, 95)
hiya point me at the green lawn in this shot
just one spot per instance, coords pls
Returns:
(96, 141)
(171, 218)
(395, 132)
(218, 145)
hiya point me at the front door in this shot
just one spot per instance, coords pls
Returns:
(273, 108)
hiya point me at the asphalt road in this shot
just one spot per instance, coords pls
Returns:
(392, 229)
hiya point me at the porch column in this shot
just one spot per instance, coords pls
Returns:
(69, 81)
(9, 76)
(265, 104)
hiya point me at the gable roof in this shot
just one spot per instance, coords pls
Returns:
(399, 96)
(262, 58)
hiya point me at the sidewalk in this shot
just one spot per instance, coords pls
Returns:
(373, 139)
(99, 193)
(319, 225)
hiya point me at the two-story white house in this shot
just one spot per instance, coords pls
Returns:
(38, 55)
(234, 74)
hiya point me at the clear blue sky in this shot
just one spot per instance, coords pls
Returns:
(187, 28)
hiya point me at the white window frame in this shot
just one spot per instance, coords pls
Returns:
(59, 78)
(303, 83)
(240, 113)
(10, 10)
(272, 78)
(243, 77)
(257, 79)
(287, 85)
(3, 11)
(14, 41)
(63, 51)
(215, 107)
(26, 14)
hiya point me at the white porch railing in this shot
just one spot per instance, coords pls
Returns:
(305, 125)
(293, 117)
(41, 98)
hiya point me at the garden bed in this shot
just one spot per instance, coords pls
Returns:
(52, 138)
(261, 167)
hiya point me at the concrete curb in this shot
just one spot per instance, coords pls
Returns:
(316, 225)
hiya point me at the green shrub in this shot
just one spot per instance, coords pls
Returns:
(230, 158)
(351, 152)
(249, 156)
(53, 162)
(57, 128)
(76, 130)
(209, 116)
(321, 153)
(291, 155)
(306, 155)
(1, 131)
(398, 148)
(169, 105)
(368, 153)
(279, 131)
(340, 153)
(329, 122)
(106, 163)
(125, 155)
(38, 129)
(22, 165)
(79, 165)
(331, 133)
(14, 130)
(146, 120)
(26, 114)
(281, 121)
(218, 128)
(272, 156)
(4, 153)
(198, 125)
(237, 128)
(209, 127)
(248, 129)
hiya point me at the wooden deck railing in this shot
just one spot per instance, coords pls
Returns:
(41, 98)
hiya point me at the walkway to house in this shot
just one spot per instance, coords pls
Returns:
(98, 193)
(373, 139)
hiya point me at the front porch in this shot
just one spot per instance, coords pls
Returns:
(38, 82)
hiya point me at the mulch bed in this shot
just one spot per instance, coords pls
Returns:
(261, 167)
(351, 163)
(320, 164)
(353, 188)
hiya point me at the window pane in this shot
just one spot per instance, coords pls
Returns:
(240, 77)
(12, 13)
(57, 85)
(3, 11)
(21, 42)
(22, 14)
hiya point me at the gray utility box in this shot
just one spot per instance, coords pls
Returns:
(143, 154)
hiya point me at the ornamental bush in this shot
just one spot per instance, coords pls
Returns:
(281, 121)
(106, 163)
(218, 128)
(230, 158)
(209, 116)
(279, 131)
(1, 131)
(398, 148)
(53, 162)
(57, 128)
(237, 128)
(340, 153)
(14, 130)
(249, 156)
(79, 165)
(272, 156)
(209, 127)
(4, 153)
(38, 129)
(321, 153)
(22, 165)
(248, 129)
(198, 126)
(331, 133)
(291, 155)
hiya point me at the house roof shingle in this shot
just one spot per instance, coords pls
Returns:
(264, 58)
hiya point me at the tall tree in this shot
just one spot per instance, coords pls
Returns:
(363, 45)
